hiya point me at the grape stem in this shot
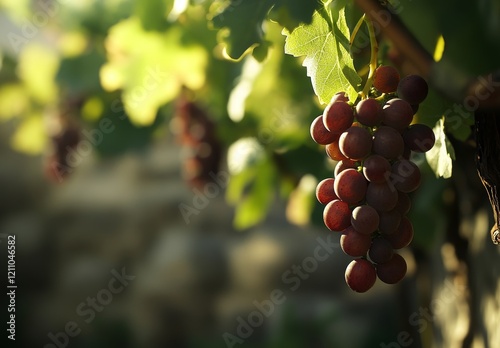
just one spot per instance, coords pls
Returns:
(356, 29)
(373, 57)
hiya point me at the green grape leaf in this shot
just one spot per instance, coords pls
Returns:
(243, 20)
(441, 156)
(325, 45)
(291, 13)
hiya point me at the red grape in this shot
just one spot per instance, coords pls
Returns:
(325, 192)
(339, 96)
(386, 79)
(355, 143)
(397, 114)
(333, 151)
(405, 176)
(320, 134)
(413, 89)
(337, 215)
(382, 197)
(376, 168)
(353, 243)
(403, 235)
(343, 165)
(389, 221)
(380, 250)
(369, 112)
(392, 271)
(365, 219)
(360, 275)
(338, 116)
(419, 138)
(350, 186)
(388, 143)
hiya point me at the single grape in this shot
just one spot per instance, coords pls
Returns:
(392, 271)
(382, 197)
(339, 96)
(365, 219)
(338, 116)
(337, 215)
(350, 186)
(369, 112)
(419, 138)
(360, 275)
(353, 243)
(333, 151)
(405, 176)
(386, 79)
(397, 114)
(387, 142)
(404, 203)
(389, 221)
(376, 169)
(320, 134)
(381, 250)
(343, 165)
(355, 143)
(325, 192)
(403, 235)
(413, 89)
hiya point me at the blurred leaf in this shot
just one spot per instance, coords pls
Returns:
(37, 69)
(441, 156)
(153, 79)
(13, 101)
(302, 200)
(244, 19)
(291, 13)
(153, 13)
(80, 74)
(92, 109)
(30, 136)
(325, 45)
(256, 202)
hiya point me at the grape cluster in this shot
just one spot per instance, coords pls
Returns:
(196, 133)
(57, 164)
(367, 198)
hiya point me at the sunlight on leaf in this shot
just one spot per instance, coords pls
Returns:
(302, 200)
(38, 66)
(13, 101)
(30, 137)
(325, 46)
(150, 80)
(441, 156)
